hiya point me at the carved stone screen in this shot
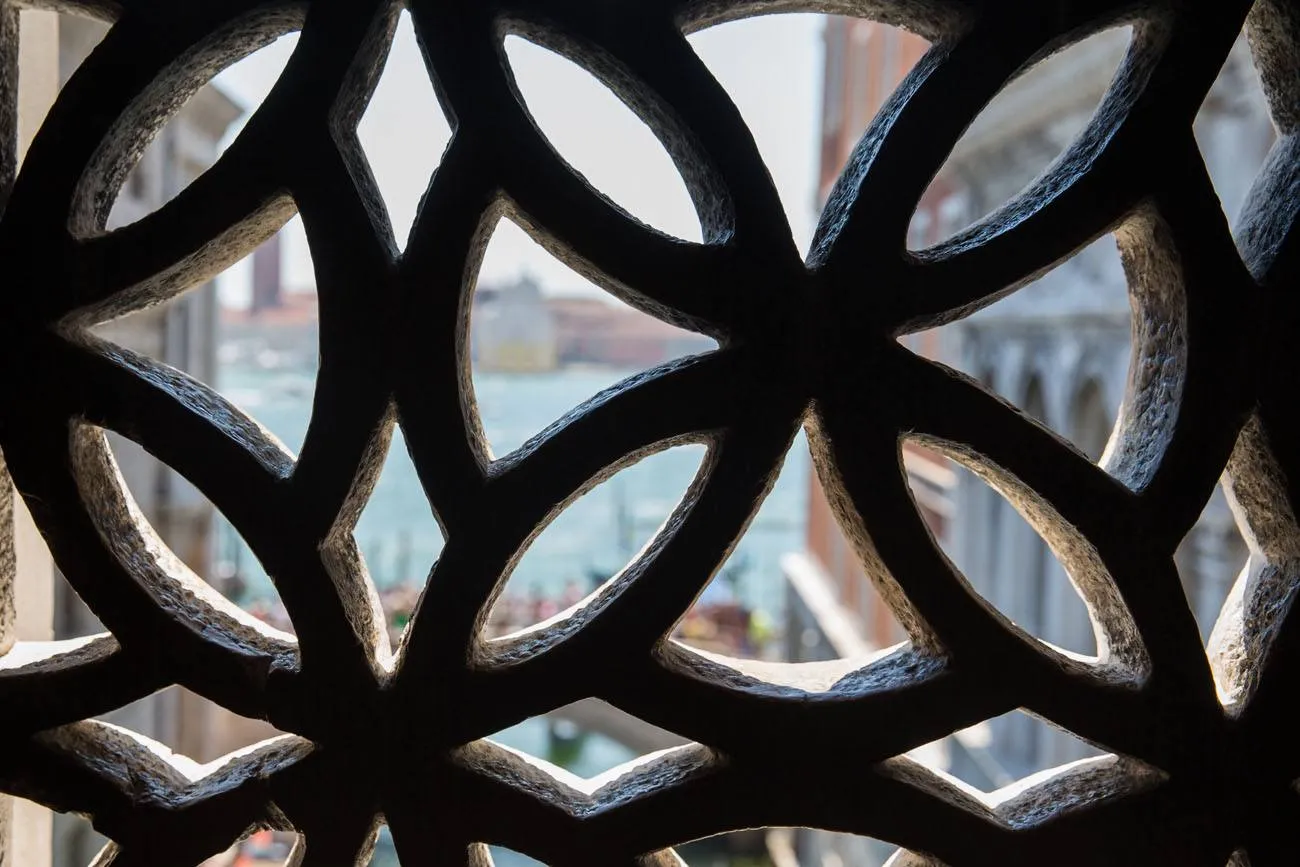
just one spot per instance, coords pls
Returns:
(1202, 752)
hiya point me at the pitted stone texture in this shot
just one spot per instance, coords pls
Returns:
(1203, 757)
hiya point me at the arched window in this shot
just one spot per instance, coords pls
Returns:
(1091, 421)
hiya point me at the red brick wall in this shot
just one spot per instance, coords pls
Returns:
(864, 62)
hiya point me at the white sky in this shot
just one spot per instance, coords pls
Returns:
(769, 65)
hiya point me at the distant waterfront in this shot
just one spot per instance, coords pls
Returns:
(594, 537)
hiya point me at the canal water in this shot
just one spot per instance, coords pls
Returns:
(591, 539)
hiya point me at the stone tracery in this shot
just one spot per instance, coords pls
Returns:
(400, 735)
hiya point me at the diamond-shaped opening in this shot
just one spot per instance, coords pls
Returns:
(589, 740)
(769, 67)
(600, 137)
(163, 725)
(1233, 129)
(199, 132)
(543, 339)
(404, 131)
(587, 749)
(1019, 134)
(593, 539)
(1232, 585)
(1007, 562)
(1210, 561)
(1059, 348)
(195, 728)
(742, 612)
(398, 536)
(385, 854)
(1003, 751)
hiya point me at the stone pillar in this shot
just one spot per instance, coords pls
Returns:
(26, 569)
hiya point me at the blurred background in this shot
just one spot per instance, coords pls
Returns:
(543, 340)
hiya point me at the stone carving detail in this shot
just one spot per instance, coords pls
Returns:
(1202, 752)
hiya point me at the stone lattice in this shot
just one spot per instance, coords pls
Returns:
(1202, 753)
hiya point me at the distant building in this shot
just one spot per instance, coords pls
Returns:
(516, 328)
(596, 331)
(267, 284)
(183, 335)
(512, 329)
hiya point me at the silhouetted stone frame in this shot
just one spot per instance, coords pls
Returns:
(1205, 755)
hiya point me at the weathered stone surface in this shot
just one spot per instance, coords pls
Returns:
(1205, 756)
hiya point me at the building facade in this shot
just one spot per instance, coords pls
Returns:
(183, 334)
(863, 63)
(512, 329)
(1059, 349)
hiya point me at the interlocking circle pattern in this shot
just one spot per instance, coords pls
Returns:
(1202, 753)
